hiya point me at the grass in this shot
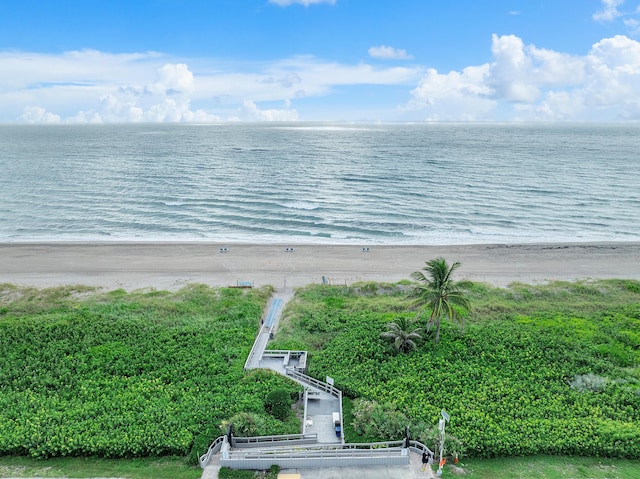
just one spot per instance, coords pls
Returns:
(547, 467)
(142, 468)
(536, 467)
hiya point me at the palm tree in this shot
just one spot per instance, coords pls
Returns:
(439, 294)
(403, 333)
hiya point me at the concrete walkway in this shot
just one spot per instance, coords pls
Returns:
(320, 408)
(321, 405)
(409, 471)
(268, 327)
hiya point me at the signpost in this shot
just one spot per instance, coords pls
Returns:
(441, 423)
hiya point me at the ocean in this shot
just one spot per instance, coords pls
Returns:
(320, 183)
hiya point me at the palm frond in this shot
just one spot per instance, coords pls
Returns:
(437, 293)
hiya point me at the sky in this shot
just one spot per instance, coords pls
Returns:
(113, 61)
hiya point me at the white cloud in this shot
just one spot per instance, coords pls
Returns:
(632, 25)
(523, 82)
(455, 96)
(166, 98)
(251, 112)
(306, 3)
(389, 53)
(519, 82)
(36, 114)
(297, 77)
(609, 11)
(90, 86)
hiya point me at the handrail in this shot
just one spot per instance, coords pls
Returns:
(252, 352)
(282, 352)
(418, 447)
(341, 417)
(353, 450)
(328, 388)
(273, 439)
(369, 446)
(213, 449)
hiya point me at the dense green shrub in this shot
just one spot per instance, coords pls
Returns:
(273, 472)
(123, 375)
(505, 381)
(278, 404)
(373, 419)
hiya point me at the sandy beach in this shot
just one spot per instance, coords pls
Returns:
(170, 266)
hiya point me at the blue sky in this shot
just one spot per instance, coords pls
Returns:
(70, 61)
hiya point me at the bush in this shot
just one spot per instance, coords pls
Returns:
(273, 472)
(511, 383)
(129, 374)
(373, 419)
(245, 424)
(278, 404)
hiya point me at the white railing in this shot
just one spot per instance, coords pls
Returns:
(274, 441)
(279, 353)
(313, 382)
(214, 448)
(418, 447)
(368, 454)
(322, 386)
(252, 353)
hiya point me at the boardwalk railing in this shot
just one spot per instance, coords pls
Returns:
(322, 386)
(313, 382)
(418, 447)
(278, 451)
(286, 440)
(252, 353)
(369, 454)
(214, 448)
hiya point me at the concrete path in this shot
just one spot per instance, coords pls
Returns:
(323, 405)
(269, 326)
(320, 410)
(409, 471)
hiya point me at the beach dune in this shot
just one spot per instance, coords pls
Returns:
(170, 266)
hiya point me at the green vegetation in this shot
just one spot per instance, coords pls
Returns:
(403, 334)
(548, 369)
(88, 467)
(121, 375)
(548, 467)
(278, 404)
(535, 467)
(437, 293)
(226, 473)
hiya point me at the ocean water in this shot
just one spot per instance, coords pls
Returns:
(319, 183)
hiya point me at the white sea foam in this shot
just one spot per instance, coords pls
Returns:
(300, 205)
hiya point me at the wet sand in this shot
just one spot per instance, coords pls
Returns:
(170, 266)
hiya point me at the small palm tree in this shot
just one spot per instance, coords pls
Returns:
(403, 333)
(439, 294)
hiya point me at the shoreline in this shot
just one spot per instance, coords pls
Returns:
(172, 265)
